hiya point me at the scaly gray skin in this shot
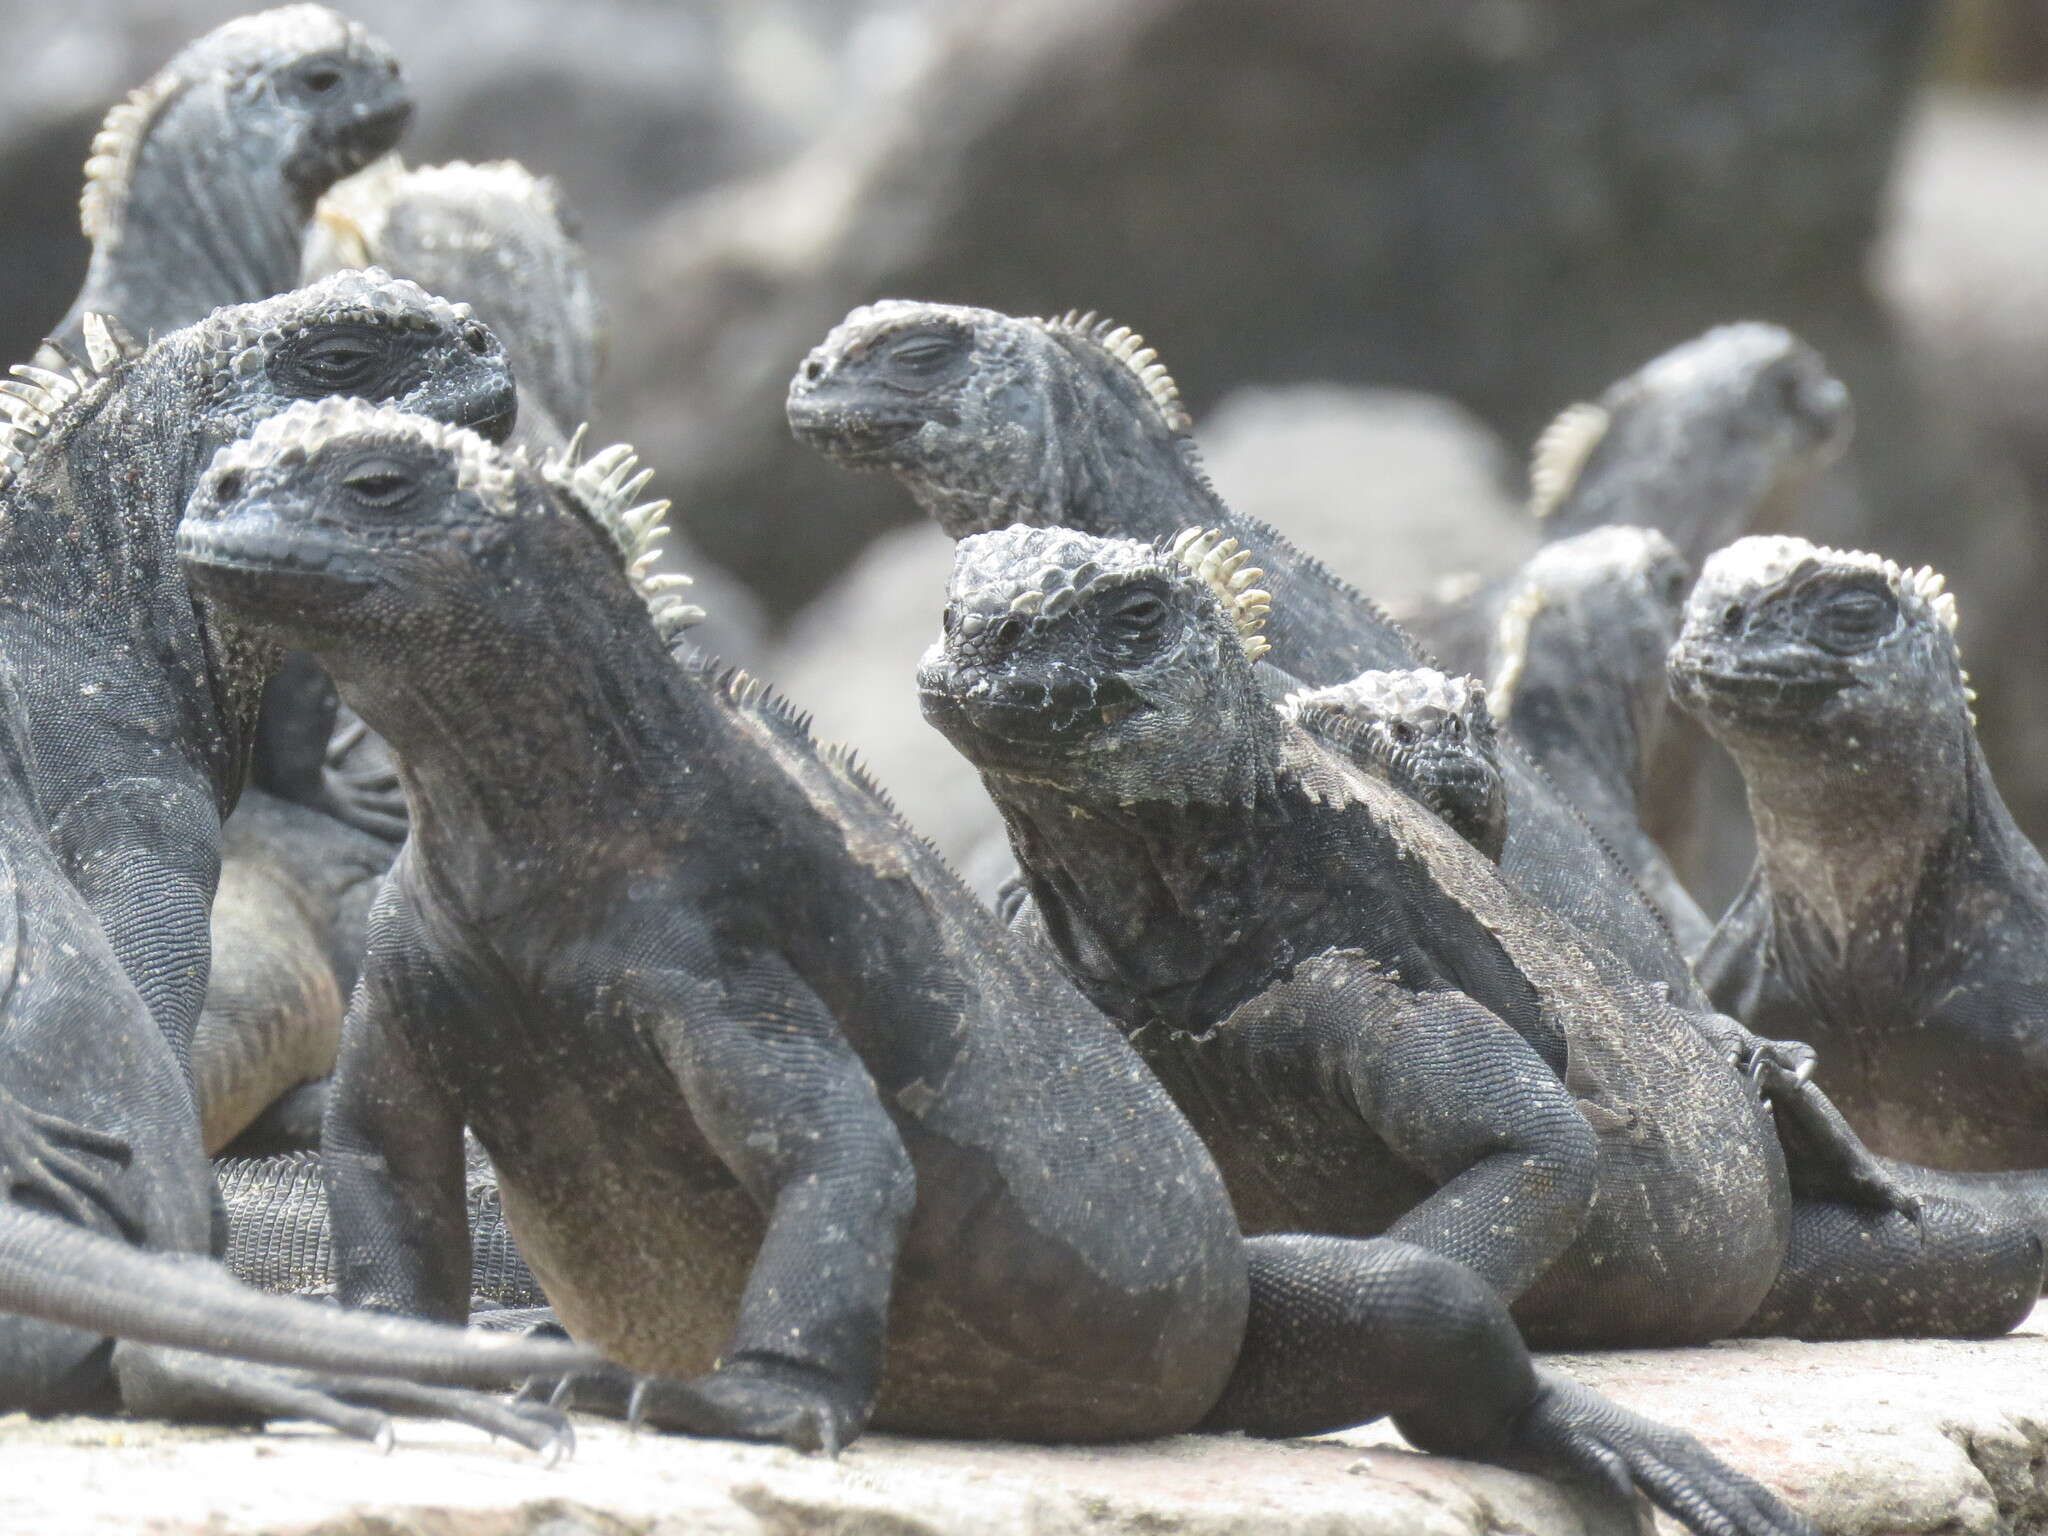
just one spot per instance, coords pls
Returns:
(777, 1090)
(201, 182)
(133, 707)
(1425, 734)
(1895, 910)
(100, 1159)
(280, 1237)
(991, 420)
(1578, 675)
(1372, 1032)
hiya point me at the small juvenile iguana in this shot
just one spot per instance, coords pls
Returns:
(1895, 910)
(1578, 675)
(1372, 1032)
(133, 708)
(201, 183)
(991, 420)
(1427, 735)
(765, 1087)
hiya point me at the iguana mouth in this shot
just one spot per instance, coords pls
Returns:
(296, 558)
(847, 432)
(1761, 690)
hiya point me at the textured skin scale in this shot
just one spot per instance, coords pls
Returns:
(1374, 1033)
(280, 1237)
(1578, 675)
(1428, 735)
(133, 706)
(1894, 910)
(201, 183)
(761, 1080)
(991, 420)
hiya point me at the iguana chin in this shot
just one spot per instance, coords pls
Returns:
(1895, 909)
(1372, 1032)
(766, 1088)
(134, 707)
(1428, 735)
(201, 182)
(1577, 673)
(990, 419)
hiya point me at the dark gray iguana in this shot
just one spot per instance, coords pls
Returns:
(1895, 910)
(1578, 675)
(201, 183)
(780, 1112)
(100, 1160)
(1371, 1031)
(991, 420)
(133, 708)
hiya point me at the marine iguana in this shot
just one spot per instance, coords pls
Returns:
(764, 1086)
(1371, 1031)
(1428, 735)
(201, 182)
(1895, 910)
(1578, 675)
(989, 420)
(133, 707)
(100, 1158)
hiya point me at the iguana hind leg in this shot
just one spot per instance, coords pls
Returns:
(1346, 1330)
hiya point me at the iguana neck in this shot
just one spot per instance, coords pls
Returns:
(207, 220)
(1851, 847)
(552, 709)
(1099, 466)
(1590, 734)
(1149, 896)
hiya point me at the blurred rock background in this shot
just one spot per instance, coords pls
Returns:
(1379, 244)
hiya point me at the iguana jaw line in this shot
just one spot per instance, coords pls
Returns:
(256, 564)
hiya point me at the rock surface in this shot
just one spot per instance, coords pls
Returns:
(1866, 1438)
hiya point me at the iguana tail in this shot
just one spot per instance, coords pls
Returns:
(52, 1270)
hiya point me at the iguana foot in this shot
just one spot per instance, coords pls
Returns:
(1568, 1425)
(41, 1157)
(1779, 1068)
(779, 1402)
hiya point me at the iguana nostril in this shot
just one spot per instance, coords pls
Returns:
(814, 370)
(227, 486)
(1731, 618)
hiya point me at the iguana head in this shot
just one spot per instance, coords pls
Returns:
(1428, 735)
(496, 237)
(341, 518)
(365, 334)
(1789, 645)
(1701, 443)
(294, 97)
(990, 419)
(1582, 638)
(1112, 669)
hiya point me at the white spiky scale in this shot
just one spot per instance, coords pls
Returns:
(1129, 349)
(1561, 453)
(1209, 555)
(604, 486)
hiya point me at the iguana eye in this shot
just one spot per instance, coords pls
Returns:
(321, 79)
(380, 483)
(1855, 619)
(330, 364)
(1137, 615)
(925, 354)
